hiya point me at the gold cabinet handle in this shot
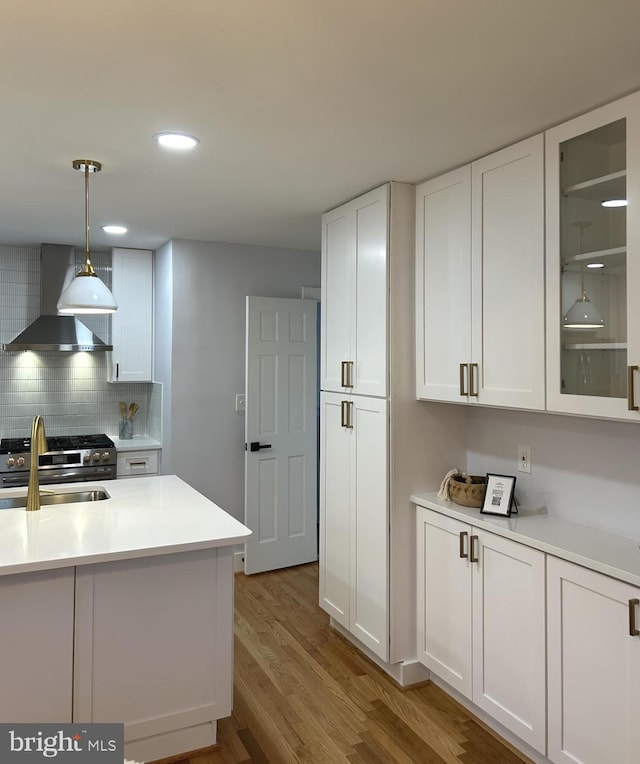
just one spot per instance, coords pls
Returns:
(346, 414)
(346, 374)
(463, 368)
(473, 552)
(634, 631)
(631, 404)
(473, 380)
(463, 536)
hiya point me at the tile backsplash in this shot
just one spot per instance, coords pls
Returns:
(69, 389)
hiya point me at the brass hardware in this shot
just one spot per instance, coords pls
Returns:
(634, 631)
(463, 366)
(346, 414)
(346, 374)
(463, 536)
(38, 446)
(473, 379)
(631, 404)
(473, 552)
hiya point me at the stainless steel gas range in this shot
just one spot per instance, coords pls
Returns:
(68, 459)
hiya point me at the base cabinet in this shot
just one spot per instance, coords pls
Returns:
(594, 666)
(36, 634)
(481, 620)
(132, 662)
(137, 463)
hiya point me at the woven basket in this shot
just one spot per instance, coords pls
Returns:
(467, 491)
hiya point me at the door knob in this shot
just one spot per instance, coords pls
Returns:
(255, 445)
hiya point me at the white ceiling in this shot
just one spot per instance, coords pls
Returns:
(299, 104)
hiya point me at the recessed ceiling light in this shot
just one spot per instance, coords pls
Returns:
(176, 140)
(113, 228)
(614, 203)
(595, 265)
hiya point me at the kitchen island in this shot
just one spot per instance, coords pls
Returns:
(120, 610)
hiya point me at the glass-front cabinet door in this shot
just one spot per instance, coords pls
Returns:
(593, 273)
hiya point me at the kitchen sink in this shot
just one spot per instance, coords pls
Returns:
(68, 497)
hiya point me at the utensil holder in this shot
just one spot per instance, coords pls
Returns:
(125, 430)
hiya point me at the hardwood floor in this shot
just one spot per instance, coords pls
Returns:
(302, 693)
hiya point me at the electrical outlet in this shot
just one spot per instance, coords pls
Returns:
(524, 459)
(240, 402)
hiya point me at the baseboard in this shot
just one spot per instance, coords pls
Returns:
(518, 746)
(406, 673)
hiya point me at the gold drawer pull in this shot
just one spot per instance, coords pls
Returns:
(634, 631)
(346, 414)
(473, 550)
(463, 368)
(346, 374)
(473, 380)
(463, 536)
(631, 404)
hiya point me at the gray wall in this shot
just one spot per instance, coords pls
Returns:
(209, 284)
(586, 470)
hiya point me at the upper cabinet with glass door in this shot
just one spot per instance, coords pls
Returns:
(593, 262)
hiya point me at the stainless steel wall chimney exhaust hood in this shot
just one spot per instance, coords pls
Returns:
(52, 331)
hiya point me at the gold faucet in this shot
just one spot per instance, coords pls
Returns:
(38, 446)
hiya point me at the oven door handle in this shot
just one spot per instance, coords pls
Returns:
(68, 476)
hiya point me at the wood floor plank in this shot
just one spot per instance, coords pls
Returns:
(303, 693)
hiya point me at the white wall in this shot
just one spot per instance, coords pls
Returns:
(586, 470)
(209, 284)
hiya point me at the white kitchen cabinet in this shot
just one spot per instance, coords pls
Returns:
(355, 241)
(137, 463)
(36, 634)
(368, 472)
(132, 323)
(481, 620)
(594, 666)
(116, 669)
(354, 507)
(480, 281)
(593, 263)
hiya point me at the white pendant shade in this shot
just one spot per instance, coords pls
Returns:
(582, 315)
(86, 294)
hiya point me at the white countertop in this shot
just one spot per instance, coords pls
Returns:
(616, 556)
(137, 443)
(144, 517)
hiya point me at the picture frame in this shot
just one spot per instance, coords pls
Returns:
(498, 495)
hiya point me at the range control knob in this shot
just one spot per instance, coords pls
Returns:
(105, 456)
(95, 457)
(86, 458)
(10, 461)
(20, 461)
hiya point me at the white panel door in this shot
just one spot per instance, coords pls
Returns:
(593, 666)
(337, 492)
(369, 525)
(132, 323)
(355, 242)
(280, 433)
(36, 634)
(443, 286)
(509, 636)
(372, 234)
(508, 276)
(444, 598)
(338, 296)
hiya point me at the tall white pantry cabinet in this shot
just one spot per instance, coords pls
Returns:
(376, 439)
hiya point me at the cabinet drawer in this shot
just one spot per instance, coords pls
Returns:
(132, 463)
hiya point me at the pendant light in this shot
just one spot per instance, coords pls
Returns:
(582, 314)
(86, 293)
